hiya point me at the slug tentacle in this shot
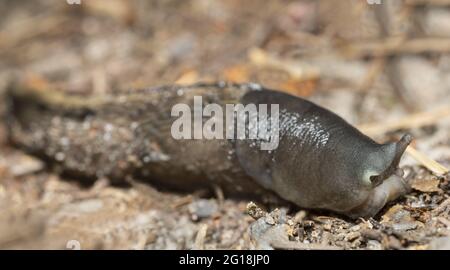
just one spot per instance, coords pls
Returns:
(399, 148)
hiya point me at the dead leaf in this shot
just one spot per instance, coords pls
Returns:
(396, 214)
(35, 81)
(237, 73)
(21, 164)
(426, 185)
(118, 9)
(299, 87)
(188, 77)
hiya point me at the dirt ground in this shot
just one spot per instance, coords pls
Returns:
(384, 68)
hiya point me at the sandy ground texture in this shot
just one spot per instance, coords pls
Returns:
(384, 68)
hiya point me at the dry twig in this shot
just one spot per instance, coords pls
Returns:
(412, 121)
(415, 120)
(295, 69)
(428, 2)
(200, 238)
(395, 45)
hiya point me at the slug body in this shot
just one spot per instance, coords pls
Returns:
(320, 162)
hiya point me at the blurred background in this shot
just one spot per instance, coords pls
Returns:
(383, 67)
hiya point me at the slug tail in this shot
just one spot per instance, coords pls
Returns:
(49, 98)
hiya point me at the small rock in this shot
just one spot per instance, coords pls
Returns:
(86, 206)
(418, 73)
(25, 165)
(436, 21)
(372, 234)
(405, 226)
(339, 237)
(327, 226)
(300, 216)
(254, 211)
(356, 243)
(441, 243)
(269, 220)
(374, 245)
(203, 208)
(393, 243)
(352, 236)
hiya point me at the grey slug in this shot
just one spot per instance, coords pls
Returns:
(321, 161)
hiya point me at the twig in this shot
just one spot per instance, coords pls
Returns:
(375, 69)
(200, 238)
(444, 221)
(296, 70)
(28, 29)
(219, 194)
(372, 74)
(395, 45)
(415, 120)
(428, 2)
(427, 162)
(441, 207)
(182, 201)
(393, 61)
(277, 244)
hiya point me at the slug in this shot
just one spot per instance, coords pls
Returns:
(320, 161)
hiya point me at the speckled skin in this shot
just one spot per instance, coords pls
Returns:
(321, 162)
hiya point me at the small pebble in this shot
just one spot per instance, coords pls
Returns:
(374, 245)
(269, 220)
(203, 208)
(352, 236)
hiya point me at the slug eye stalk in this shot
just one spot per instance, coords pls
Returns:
(400, 148)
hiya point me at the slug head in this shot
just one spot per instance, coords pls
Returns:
(383, 162)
